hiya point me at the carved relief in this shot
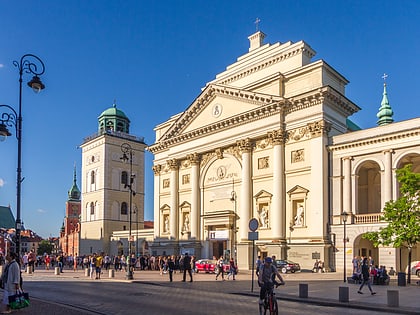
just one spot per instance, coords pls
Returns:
(185, 179)
(298, 156)
(234, 150)
(263, 162)
(262, 144)
(219, 153)
(166, 183)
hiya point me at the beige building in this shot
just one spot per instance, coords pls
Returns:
(112, 161)
(269, 139)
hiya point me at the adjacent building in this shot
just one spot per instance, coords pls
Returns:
(112, 185)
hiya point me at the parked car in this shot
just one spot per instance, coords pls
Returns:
(285, 266)
(209, 266)
(415, 269)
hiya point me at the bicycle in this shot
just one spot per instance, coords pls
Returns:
(270, 301)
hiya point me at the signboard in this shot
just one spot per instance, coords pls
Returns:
(219, 235)
(316, 255)
(252, 236)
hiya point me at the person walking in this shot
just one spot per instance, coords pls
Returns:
(220, 268)
(232, 269)
(10, 280)
(171, 267)
(187, 267)
(366, 277)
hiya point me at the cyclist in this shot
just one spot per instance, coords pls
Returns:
(266, 278)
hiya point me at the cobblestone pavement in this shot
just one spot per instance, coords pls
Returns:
(323, 289)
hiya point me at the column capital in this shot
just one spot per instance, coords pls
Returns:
(194, 158)
(276, 136)
(319, 128)
(245, 145)
(157, 169)
(173, 164)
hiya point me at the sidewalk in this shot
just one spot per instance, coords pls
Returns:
(323, 289)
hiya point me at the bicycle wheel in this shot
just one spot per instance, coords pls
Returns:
(275, 308)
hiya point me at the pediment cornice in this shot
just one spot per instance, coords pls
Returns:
(269, 105)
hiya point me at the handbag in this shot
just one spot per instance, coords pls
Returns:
(19, 300)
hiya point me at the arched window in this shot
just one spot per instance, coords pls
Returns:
(92, 177)
(124, 208)
(124, 178)
(92, 208)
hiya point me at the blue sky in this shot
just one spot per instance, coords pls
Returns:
(153, 57)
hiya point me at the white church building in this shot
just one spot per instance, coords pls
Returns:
(270, 139)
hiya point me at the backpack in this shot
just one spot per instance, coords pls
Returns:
(5, 275)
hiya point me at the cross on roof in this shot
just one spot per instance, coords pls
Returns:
(257, 21)
(384, 77)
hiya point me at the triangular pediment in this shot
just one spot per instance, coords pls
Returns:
(214, 107)
(297, 190)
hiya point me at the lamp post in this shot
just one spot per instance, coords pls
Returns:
(344, 216)
(127, 151)
(233, 198)
(13, 118)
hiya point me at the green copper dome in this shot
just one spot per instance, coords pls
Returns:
(113, 120)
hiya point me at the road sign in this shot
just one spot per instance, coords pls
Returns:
(253, 224)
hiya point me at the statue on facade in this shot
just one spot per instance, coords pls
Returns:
(187, 222)
(299, 216)
(166, 224)
(263, 214)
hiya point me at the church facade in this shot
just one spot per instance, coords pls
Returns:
(269, 139)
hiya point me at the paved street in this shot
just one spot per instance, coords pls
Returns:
(73, 293)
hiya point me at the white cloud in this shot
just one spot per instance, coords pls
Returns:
(1, 65)
(1, 182)
(41, 211)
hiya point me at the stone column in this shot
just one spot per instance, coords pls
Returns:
(347, 184)
(278, 207)
(173, 215)
(246, 189)
(195, 195)
(156, 203)
(387, 177)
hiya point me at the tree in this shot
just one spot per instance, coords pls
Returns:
(402, 216)
(44, 247)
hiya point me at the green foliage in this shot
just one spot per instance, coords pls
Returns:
(44, 247)
(402, 215)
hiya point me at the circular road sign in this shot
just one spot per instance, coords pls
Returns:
(253, 224)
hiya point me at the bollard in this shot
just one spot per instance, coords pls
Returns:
(343, 294)
(111, 273)
(57, 271)
(393, 298)
(28, 270)
(303, 290)
(87, 274)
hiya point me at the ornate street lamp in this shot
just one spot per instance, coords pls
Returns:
(12, 118)
(344, 216)
(127, 151)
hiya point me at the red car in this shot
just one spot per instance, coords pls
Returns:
(209, 266)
